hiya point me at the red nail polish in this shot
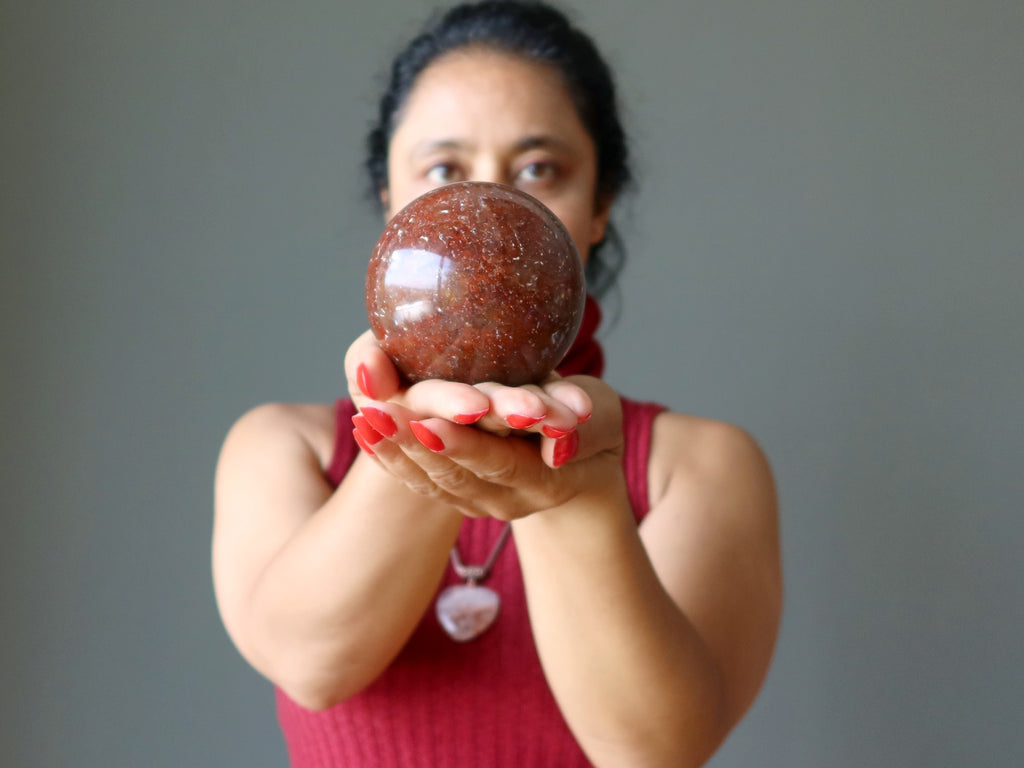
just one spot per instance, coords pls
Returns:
(380, 421)
(470, 418)
(584, 418)
(370, 435)
(517, 421)
(565, 448)
(361, 442)
(555, 432)
(363, 379)
(425, 436)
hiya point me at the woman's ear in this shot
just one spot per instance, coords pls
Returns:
(599, 224)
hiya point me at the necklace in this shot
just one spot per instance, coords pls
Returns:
(466, 611)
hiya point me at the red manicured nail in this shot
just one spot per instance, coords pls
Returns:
(380, 421)
(470, 418)
(361, 442)
(555, 432)
(584, 418)
(522, 422)
(565, 448)
(370, 435)
(425, 436)
(363, 379)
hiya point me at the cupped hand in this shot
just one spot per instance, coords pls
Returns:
(484, 474)
(486, 449)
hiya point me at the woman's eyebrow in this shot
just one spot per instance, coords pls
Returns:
(537, 141)
(542, 141)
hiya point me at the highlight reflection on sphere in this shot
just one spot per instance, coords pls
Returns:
(475, 282)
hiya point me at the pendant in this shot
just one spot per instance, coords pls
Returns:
(466, 611)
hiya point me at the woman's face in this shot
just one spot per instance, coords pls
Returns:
(482, 115)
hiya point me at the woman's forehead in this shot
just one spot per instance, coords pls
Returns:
(469, 92)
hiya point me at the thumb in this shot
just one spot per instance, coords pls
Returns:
(601, 433)
(369, 371)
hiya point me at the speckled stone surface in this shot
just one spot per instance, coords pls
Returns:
(475, 282)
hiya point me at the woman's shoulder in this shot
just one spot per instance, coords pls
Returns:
(302, 426)
(705, 458)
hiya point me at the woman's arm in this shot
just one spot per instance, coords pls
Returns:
(318, 589)
(656, 641)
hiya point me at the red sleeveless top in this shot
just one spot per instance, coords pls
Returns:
(443, 703)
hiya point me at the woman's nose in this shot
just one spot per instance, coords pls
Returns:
(492, 171)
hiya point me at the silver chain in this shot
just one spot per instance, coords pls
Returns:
(477, 573)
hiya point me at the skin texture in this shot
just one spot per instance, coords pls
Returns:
(655, 640)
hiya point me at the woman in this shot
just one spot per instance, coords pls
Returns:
(616, 643)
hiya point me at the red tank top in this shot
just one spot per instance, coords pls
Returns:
(442, 703)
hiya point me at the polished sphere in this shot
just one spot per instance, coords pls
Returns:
(475, 282)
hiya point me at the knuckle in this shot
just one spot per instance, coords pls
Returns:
(504, 474)
(424, 487)
(453, 479)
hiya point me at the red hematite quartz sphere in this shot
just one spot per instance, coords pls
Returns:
(475, 282)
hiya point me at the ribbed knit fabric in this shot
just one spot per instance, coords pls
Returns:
(443, 704)
(585, 355)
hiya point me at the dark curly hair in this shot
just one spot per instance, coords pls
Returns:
(538, 32)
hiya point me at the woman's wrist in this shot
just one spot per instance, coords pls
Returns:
(601, 508)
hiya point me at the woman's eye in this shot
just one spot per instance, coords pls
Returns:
(538, 172)
(443, 173)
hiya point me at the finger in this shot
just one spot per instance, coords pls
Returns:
(389, 440)
(414, 451)
(501, 477)
(528, 408)
(569, 393)
(461, 403)
(365, 435)
(369, 371)
(506, 477)
(600, 433)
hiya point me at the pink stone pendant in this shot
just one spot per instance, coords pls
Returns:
(466, 611)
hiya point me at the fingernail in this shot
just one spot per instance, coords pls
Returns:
(522, 422)
(361, 442)
(470, 418)
(368, 433)
(380, 421)
(555, 432)
(565, 448)
(425, 436)
(363, 379)
(584, 418)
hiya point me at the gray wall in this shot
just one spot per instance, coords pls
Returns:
(827, 248)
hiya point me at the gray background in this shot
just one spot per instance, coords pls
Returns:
(827, 248)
